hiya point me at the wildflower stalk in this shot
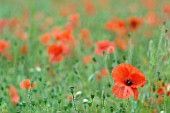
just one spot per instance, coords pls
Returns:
(29, 100)
(130, 52)
(74, 99)
(103, 101)
(106, 67)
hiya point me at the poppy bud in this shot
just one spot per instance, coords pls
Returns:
(124, 58)
(111, 109)
(72, 89)
(40, 79)
(129, 34)
(97, 105)
(97, 92)
(65, 108)
(94, 59)
(31, 82)
(90, 103)
(0, 100)
(109, 85)
(18, 111)
(70, 104)
(34, 90)
(103, 52)
(59, 101)
(45, 100)
(118, 61)
(113, 60)
(33, 102)
(52, 96)
(121, 104)
(156, 95)
(166, 30)
(153, 88)
(163, 83)
(92, 96)
(40, 101)
(23, 104)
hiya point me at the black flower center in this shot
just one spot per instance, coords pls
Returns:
(129, 82)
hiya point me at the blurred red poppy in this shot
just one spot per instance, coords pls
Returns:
(14, 96)
(104, 45)
(115, 25)
(127, 79)
(134, 23)
(103, 72)
(86, 59)
(45, 38)
(85, 36)
(3, 46)
(55, 52)
(26, 84)
(23, 49)
(121, 44)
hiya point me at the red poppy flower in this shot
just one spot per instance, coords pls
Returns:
(86, 59)
(151, 19)
(73, 21)
(85, 36)
(25, 84)
(166, 9)
(134, 23)
(121, 44)
(115, 25)
(127, 79)
(98, 77)
(3, 24)
(104, 72)
(3, 46)
(69, 98)
(45, 38)
(104, 45)
(55, 52)
(21, 35)
(89, 7)
(24, 49)
(168, 93)
(13, 94)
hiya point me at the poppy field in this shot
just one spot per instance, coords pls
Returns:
(84, 56)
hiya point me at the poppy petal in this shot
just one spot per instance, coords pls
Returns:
(122, 92)
(121, 72)
(138, 79)
(136, 93)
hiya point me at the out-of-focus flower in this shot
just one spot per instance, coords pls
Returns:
(86, 59)
(104, 45)
(26, 84)
(55, 52)
(24, 49)
(134, 23)
(14, 96)
(104, 72)
(121, 44)
(116, 25)
(69, 98)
